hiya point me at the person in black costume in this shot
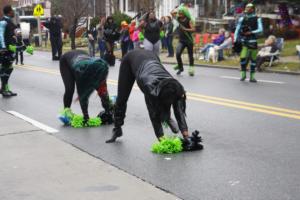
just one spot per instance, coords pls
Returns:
(88, 74)
(55, 26)
(161, 92)
(7, 50)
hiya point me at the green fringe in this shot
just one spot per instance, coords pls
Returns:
(167, 145)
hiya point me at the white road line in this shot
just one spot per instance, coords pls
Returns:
(33, 122)
(264, 81)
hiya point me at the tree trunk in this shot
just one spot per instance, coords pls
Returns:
(73, 34)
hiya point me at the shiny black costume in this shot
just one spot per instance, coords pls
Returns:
(161, 92)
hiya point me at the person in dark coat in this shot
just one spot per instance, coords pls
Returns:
(55, 26)
(161, 92)
(88, 74)
(111, 35)
(7, 49)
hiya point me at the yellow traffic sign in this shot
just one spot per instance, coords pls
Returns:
(38, 10)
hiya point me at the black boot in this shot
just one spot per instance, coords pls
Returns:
(106, 117)
(117, 132)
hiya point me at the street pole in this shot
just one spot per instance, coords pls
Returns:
(39, 30)
(94, 8)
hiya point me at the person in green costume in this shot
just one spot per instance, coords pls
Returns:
(185, 30)
(248, 27)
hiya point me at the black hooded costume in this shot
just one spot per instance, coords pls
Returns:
(88, 74)
(161, 92)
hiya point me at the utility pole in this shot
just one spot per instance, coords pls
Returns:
(94, 8)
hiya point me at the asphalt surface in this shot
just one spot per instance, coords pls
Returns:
(250, 138)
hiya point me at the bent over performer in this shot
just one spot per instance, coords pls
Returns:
(88, 74)
(161, 92)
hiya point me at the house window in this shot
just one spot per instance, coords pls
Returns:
(130, 5)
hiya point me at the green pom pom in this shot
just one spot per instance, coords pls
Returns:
(29, 50)
(77, 122)
(167, 145)
(12, 48)
(94, 122)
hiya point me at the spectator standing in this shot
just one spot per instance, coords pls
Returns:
(124, 38)
(20, 45)
(152, 27)
(100, 37)
(169, 36)
(92, 37)
(111, 35)
(55, 26)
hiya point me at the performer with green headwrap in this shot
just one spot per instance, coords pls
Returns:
(88, 74)
(185, 30)
(248, 27)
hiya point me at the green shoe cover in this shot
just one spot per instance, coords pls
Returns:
(176, 67)
(191, 70)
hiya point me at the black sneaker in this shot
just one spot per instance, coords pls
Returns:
(6, 94)
(12, 93)
(253, 80)
(179, 71)
(243, 79)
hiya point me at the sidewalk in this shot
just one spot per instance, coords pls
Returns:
(37, 166)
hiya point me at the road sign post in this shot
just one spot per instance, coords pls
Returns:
(38, 11)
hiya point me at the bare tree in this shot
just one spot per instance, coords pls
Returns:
(72, 11)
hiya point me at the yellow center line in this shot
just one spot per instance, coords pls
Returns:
(283, 112)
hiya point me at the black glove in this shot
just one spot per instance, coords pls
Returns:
(192, 143)
(106, 117)
(117, 132)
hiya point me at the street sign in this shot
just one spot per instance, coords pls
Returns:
(38, 10)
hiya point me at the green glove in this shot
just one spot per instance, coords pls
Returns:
(12, 48)
(29, 49)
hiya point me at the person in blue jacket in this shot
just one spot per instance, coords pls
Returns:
(248, 28)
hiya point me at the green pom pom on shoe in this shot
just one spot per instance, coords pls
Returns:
(167, 145)
(78, 122)
(191, 70)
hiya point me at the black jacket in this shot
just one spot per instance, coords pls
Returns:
(150, 76)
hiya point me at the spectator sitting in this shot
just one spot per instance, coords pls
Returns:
(216, 42)
(227, 44)
(264, 54)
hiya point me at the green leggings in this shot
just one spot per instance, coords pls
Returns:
(246, 55)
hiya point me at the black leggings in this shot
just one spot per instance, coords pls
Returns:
(69, 81)
(21, 56)
(125, 84)
(6, 68)
(181, 46)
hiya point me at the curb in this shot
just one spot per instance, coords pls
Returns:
(235, 68)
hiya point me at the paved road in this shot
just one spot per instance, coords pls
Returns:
(250, 131)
